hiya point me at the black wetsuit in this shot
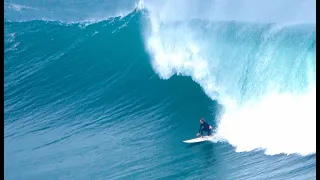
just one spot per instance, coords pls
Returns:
(204, 127)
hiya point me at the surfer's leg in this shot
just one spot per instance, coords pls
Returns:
(206, 130)
(201, 132)
(209, 132)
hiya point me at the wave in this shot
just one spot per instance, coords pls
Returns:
(262, 72)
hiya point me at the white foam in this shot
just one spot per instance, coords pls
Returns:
(277, 121)
(182, 60)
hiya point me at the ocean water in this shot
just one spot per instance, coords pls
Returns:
(110, 89)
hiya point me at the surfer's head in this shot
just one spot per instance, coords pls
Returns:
(201, 120)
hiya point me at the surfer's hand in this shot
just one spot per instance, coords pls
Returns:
(198, 134)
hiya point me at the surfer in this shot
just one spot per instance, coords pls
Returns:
(204, 126)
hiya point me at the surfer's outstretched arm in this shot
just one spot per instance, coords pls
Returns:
(199, 130)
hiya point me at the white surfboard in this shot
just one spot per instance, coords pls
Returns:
(199, 139)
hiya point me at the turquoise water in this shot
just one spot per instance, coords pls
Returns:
(112, 96)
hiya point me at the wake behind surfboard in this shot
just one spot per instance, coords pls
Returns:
(199, 139)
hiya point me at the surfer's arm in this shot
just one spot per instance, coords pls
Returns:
(200, 128)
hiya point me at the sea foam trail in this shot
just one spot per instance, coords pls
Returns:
(263, 74)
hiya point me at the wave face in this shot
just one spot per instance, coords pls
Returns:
(113, 89)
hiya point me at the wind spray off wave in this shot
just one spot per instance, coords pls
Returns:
(262, 73)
